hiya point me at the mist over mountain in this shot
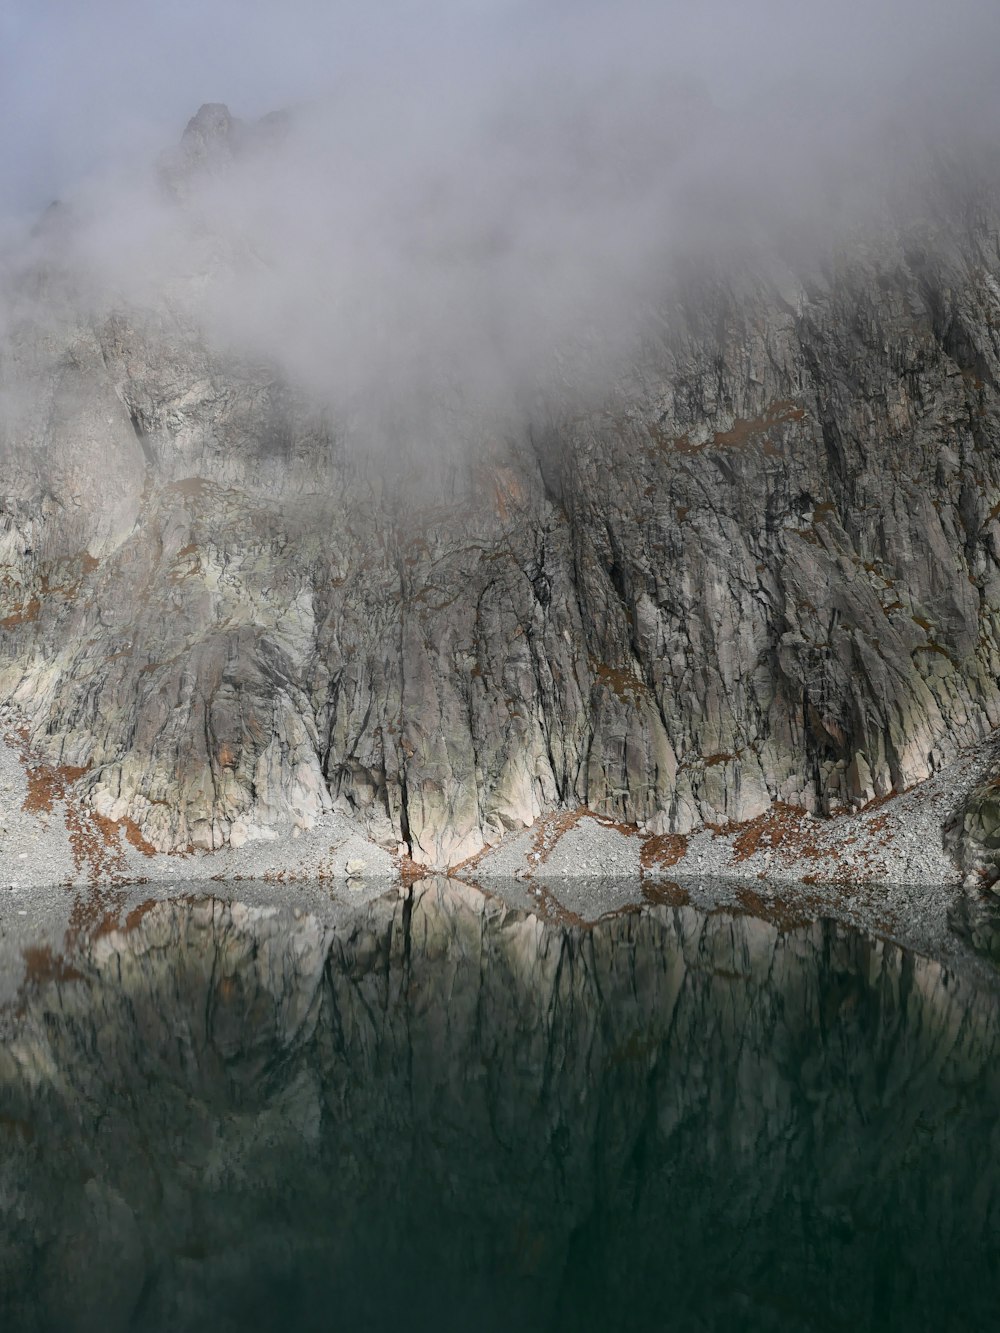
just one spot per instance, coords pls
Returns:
(458, 215)
(500, 409)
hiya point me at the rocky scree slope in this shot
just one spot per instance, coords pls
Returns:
(767, 569)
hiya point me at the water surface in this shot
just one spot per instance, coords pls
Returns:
(441, 1113)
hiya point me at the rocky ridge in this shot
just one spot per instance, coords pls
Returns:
(765, 573)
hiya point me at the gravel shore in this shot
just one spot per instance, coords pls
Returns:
(884, 869)
(48, 836)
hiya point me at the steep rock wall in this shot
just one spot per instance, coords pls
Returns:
(766, 568)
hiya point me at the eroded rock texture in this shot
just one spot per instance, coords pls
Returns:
(447, 1112)
(767, 569)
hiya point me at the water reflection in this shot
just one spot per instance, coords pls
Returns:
(448, 1114)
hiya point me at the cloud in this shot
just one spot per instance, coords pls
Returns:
(468, 206)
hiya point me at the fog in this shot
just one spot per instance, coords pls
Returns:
(463, 207)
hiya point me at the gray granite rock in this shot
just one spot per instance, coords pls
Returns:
(766, 569)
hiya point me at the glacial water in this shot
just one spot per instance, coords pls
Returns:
(441, 1113)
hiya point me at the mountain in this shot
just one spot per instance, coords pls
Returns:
(763, 567)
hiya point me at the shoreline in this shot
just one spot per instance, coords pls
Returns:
(48, 835)
(40, 932)
(883, 869)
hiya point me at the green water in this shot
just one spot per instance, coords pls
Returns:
(445, 1115)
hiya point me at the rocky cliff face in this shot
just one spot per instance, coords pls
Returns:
(766, 569)
(221, 1114)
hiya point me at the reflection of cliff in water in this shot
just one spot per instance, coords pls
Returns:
(452, 1116)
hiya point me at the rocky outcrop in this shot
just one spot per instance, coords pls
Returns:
(217, 1114)
(766, 569)
(972, 835)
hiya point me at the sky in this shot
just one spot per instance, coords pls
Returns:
(475, 198)
(84, 84)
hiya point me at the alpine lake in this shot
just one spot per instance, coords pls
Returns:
(428, 1109)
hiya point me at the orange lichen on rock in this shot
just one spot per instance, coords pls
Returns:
(95, 841)
(410, 872)
(744, 431)
(662, 850)
(48, 784)
(747, 429)
(783, 827)
(622, 683)
(25, 614)
(135, 838)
